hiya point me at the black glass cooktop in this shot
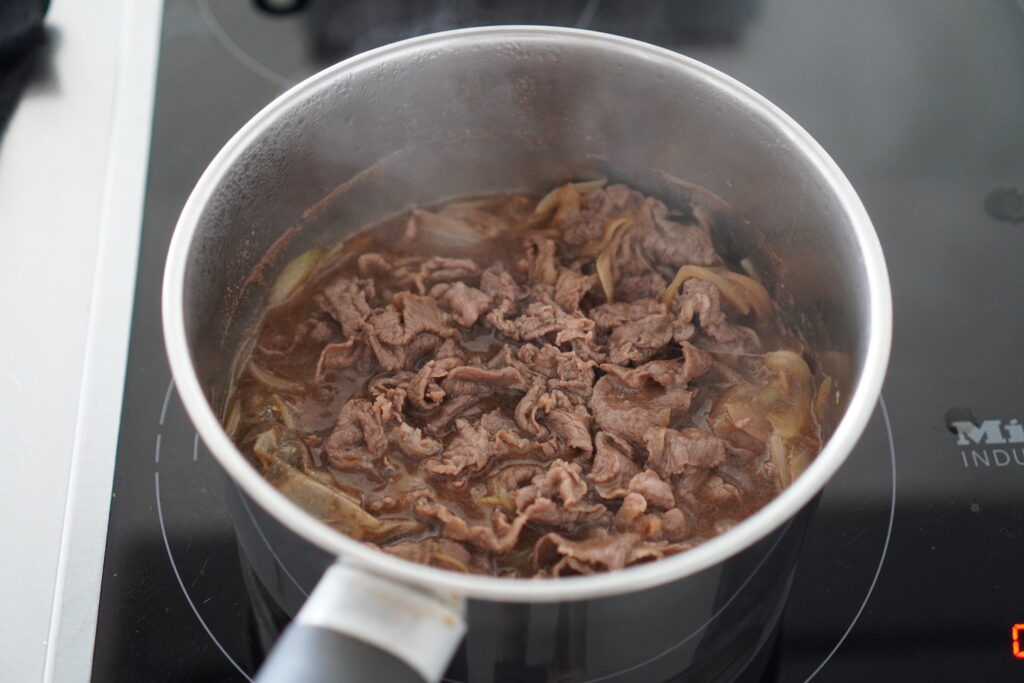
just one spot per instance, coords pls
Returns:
(912, 567)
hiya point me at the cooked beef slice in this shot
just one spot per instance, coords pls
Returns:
(463, 376)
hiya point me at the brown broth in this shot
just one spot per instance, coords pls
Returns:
(309, 408)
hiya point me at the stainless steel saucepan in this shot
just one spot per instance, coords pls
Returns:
(522, 108)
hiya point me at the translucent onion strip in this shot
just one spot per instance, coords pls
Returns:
(271, 380)
(452, 562)
(611, 227)
(293, 275)
(604, 274)
(790, 410)
(233, 419)
(777, 452)
(741, 292)
(550, 200)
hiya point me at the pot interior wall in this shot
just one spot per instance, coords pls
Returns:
(372, 139)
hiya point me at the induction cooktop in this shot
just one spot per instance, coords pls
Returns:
(912, 563)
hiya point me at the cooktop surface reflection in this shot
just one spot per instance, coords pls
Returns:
(912, 561)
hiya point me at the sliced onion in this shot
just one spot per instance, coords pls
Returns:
(551, 199)
(777, 452)
(733, 293)
(488, 202)
(453, 562)
(327, 503)
(611, 229)
(446, 228)
(547, 202)
(741, 292)
(757, 296)
(703, 220)
(604, 274)
(588, 186)
(799, 460)
(568, 204)
(271, 380)
(293, 275)
(502, 498)
(748, 417)
(284, 411)
(789, 393)
(821, 399)
(233, 419)
(749, 268)
(489, 222)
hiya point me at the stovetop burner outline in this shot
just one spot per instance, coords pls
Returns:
(259, 530)
(236, 51)
(209, 631)
(699, 629)
(885, 545)
(163, 531)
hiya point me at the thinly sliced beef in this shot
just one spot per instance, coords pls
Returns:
(564, 370)
(347, 301)
(412, 442)
(557, 496)
(346, 354)
(466, 304)
(636, 331)
(424, 389)
(600, 551)
(632, 413)
(614, 466)
(665, 373)
(477, 442)
(596, 209)
(541, 321)
(699, 307)
(496, 377)
(674, 525)
(717, 490)
(633, 402)
(541, 265)
(669, 243)
(675, 451)
(480, 534)
(441, 269)
(653, 489)
(572, 427)
(469, 448)
(470, 379)
(358, 423)
(419, 314)
(440, 419)
(498, 283)
(389, 394)
(570, 288)
(633, 506)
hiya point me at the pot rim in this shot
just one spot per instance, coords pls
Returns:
(743, 535)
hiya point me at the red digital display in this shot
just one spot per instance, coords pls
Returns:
(1015, 633)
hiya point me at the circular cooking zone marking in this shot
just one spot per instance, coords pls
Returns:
(236, 51)
(167, 543)
(702, 627)
(885, 545)
(849, 628)
(259, 530)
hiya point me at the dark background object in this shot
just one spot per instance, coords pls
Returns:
(21, 36)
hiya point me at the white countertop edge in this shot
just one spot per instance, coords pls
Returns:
(83, 534)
